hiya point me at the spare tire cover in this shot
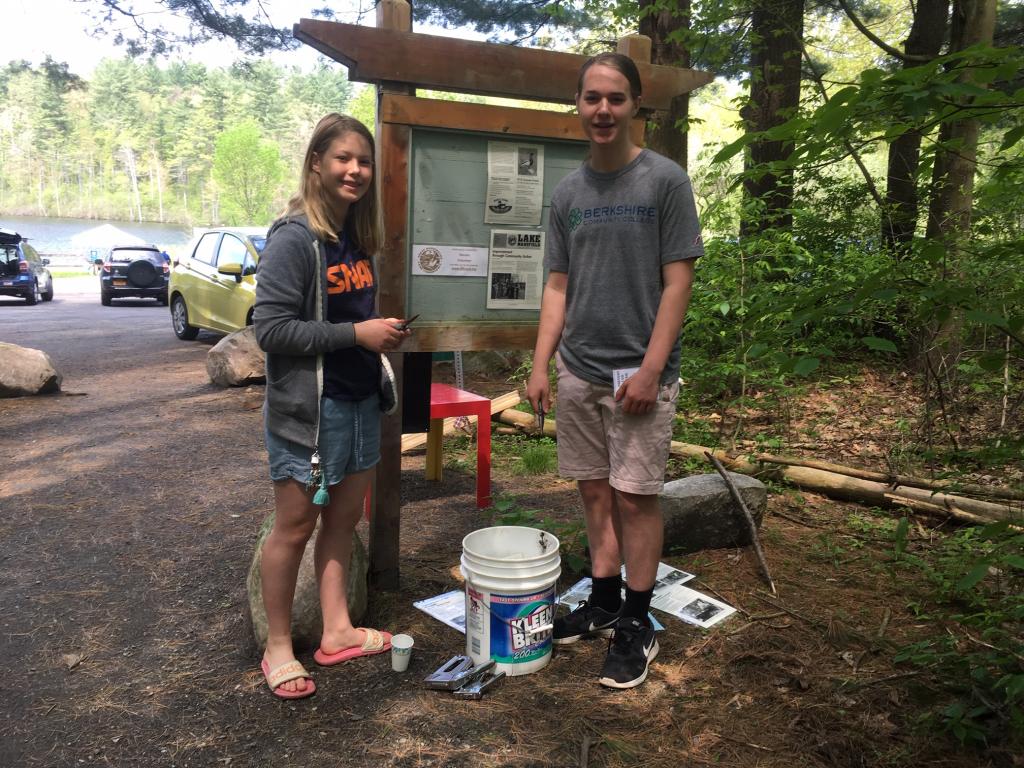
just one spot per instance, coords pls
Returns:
(141, 273)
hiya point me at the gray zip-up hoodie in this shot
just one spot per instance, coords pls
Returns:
(284, 319)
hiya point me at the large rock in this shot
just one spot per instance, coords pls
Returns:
(307, 622)
(236, 360)
(700, 513)
(25, 371)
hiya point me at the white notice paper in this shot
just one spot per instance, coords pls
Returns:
(515, 183)
(515, 272)
(619, 376)
(449, 260)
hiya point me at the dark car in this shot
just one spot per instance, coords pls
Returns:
(134, 271)
(22, 272)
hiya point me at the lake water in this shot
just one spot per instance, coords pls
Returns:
(54, 235)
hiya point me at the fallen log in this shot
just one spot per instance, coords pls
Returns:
(832, 484)
(995, 492)
(950, 512)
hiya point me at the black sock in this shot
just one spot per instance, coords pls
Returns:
(606, 593)
(637, 604)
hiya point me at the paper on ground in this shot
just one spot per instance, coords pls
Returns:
(670, 596)
(449, 608)
(694, 607)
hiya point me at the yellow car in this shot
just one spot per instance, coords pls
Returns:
(213, 286)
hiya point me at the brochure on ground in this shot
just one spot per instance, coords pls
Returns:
(449, 608)
(670, 596)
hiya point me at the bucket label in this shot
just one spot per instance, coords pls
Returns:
(514, 621)
(474, 620)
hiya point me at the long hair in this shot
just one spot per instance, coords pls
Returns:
(363, 223)
(621, 64)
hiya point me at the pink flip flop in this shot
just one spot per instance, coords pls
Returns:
(290, 670)
(375, 642)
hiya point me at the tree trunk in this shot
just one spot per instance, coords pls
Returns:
(777, 26)
(952, 195)
(667, 132)
(899, 219)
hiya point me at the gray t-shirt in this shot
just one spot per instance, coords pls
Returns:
(611, 233)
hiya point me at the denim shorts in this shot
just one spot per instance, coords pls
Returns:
(349, 443)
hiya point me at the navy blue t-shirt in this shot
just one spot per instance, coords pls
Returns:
(352, 373)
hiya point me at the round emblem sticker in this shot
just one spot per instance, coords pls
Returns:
(429, 259)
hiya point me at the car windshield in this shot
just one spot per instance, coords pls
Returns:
(258, 243)
(131, 254)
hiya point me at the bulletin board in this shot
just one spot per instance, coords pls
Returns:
(448, 205)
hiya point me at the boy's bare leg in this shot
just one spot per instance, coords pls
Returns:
(643, 533)
(604, 527)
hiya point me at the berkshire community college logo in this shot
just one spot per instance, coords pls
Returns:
(429, 259)
(575, 217)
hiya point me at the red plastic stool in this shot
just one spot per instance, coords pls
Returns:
(445, 402)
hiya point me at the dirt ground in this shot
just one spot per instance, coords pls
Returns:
(129, 507)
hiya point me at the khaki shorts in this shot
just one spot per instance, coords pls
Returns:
(597, 441)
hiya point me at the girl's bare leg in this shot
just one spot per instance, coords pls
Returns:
(294, 521)
(333, 554)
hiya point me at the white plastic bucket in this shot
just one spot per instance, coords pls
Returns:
(510, 574)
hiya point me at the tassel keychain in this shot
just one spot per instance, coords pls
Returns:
(316, 475)
(321, 498)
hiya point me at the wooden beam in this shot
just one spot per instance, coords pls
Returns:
(457, 115)
(393, 144)
(487, 118)
(465, 66)
(471, 337)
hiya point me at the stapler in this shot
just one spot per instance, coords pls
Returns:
(479, 684)
(450, 675)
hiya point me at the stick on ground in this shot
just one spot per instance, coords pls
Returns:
(754, 538)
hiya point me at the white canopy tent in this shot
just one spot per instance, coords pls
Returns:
(101, 239)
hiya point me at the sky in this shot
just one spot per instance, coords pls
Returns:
(61, 28)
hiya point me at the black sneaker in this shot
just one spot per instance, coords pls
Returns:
(632, 648)
(585, 620)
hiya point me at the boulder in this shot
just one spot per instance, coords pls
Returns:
(700, 513)
(236, 360)
(307, 622)
(25, 371)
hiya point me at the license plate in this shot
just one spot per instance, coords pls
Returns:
(8, 282)
(120, 282)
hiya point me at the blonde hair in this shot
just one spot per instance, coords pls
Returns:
(363, 223)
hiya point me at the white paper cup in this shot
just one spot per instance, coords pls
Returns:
(401, 652)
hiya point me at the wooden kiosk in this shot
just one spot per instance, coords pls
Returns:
(432, 163)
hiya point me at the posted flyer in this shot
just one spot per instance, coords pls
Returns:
(515, 270)
(515, 183)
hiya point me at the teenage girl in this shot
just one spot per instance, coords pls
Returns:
(315, 319)
(622, 241)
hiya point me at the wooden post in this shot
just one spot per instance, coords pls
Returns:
(638, 48)
(393, 178)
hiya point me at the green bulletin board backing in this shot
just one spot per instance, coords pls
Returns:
(448, 185)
